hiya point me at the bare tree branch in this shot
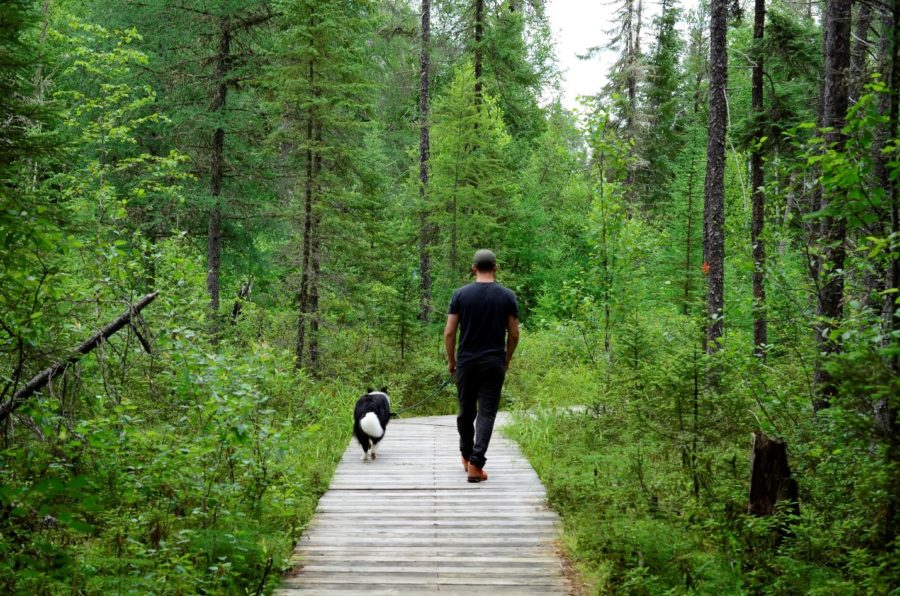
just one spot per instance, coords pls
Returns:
(42, 378)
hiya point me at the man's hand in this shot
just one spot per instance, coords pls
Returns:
(450, 341)
(512, 337)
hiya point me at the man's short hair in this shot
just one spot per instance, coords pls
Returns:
(484, 260)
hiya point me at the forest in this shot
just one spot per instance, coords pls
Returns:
(221, 220)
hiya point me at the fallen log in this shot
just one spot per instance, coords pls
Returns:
(42, 378)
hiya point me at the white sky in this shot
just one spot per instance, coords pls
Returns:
(581, 24)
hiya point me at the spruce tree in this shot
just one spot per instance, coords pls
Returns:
(203, 68)
(714, 190)
(320, 83)
(760, 335)
(425, 229)
(833, 227)
(662, 98)
(471, 190)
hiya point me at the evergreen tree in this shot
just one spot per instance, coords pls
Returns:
(760, 335)
(517, 65)
(203, 66)
(625, 78)
(320, 86)
(662, 97)
(714, 190)
(471, 189)
(833, 231)
(425, 230)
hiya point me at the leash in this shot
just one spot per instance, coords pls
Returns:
(429, 398)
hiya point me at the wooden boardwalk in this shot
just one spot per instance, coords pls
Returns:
(410, 523)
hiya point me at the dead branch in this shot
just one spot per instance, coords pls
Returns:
(42, 378)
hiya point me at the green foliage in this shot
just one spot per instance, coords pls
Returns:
(190, 470)
(663, 102)
(648, 468)
(194, 468)
(792, 64)
(547, 247)
(471, 189)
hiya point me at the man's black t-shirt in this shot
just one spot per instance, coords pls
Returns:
(483, 310)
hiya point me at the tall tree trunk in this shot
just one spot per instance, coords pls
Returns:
(887, 424)
(881, 181)
(894, 131)
(217, 171)
(714, 191)
(631, 76)
(303, 297)
(316, 250)
(607, 281)
(39, 82)
(633, 51)
(858, 53)
(425, 228)
(688, 245)
(760, 335)
(454, 256)
(830, 308)
(39, 86)
(479, 51)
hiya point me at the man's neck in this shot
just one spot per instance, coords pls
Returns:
(486, 277)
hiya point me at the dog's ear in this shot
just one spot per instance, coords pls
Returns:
(384, 389)
(369, 390)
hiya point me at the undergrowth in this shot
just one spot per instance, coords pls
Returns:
(653, 493)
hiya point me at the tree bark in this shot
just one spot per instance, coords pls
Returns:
(830, 307)
(425, 228)
(880, 180)
(38, 381)
(760, 331)
(316, 256)
(714, 191)
(479, 52)
(770, 477)
(887, 422)
(633, 51)
(305, 265)
(890, 106)
(314, 297)
(688, 245)
(217, 169)
(39, 82)
(858, 54)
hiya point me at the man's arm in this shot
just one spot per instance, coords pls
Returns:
(450, 341)
(512, 336)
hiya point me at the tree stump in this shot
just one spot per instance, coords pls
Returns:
(770, 477)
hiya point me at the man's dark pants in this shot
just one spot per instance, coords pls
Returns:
(478, 386)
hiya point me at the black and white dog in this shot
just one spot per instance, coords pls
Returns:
(370, 420)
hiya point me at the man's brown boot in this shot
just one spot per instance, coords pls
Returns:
(476, 474)
(465, 462)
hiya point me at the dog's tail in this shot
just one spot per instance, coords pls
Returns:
(371, 426)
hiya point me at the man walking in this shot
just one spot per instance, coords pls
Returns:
(487, 316)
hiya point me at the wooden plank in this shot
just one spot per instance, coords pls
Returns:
(497, 564)
(382, 590)
(409, 522)
(421, 579)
